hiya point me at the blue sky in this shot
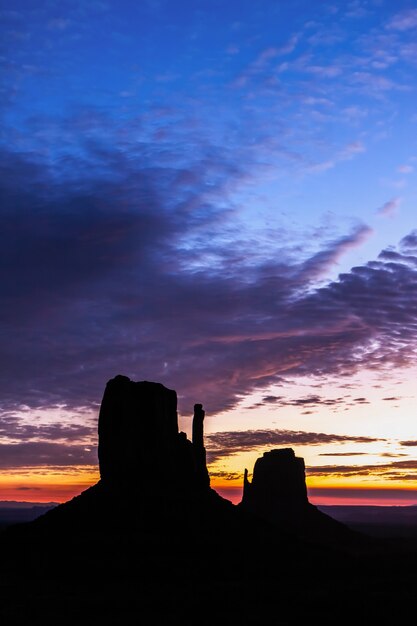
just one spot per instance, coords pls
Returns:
(217, 197)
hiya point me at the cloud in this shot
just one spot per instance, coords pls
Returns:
(257, 67)
(356, 10)
(272, 399)
(392, 454)
(117, 263)
(318, 264)
(404, 20)
(349, 151)
(346, 153)
(376, 85)
(226, 475)
(396, 470)
(343, 454)
(408, 244)
(289, 46)
(58, 24)
(32, 454)
(324, 71)
(310, 401)
(123, 248)
(405, 169)
(12, 428)
(374, 496)
(389, 208)
(227, 443)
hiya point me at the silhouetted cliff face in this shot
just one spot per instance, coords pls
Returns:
(152, 476)
(139, 442)
(278, 494)
(154, 479)
(278, 489)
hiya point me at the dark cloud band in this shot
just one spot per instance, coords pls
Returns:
(224, 444)
(126, 273)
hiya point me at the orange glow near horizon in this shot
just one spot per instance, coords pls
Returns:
(371, 457)
(64, 485)
(341, 496)
(46, 484)
(336, 494)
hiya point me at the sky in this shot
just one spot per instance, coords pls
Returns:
(221, 197)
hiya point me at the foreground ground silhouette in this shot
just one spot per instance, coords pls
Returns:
(152, 543)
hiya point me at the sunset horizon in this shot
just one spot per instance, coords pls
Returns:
(341, 484)
(220, 199)
(208, 355)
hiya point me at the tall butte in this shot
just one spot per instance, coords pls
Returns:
(278, 494)
(151, 475)
(139, 442)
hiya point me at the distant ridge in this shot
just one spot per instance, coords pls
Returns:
(379, 521)
(20, 504)
(12, 512)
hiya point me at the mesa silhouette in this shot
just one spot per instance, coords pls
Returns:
(151, 475)
(145, 461)
(153, 543)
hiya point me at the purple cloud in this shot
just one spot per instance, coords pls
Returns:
(389, 208)
(310, 401)
(404, 20)
(13, 428)
(32, 454)
(135, 266)
(396, 470)
(227, 443)
(408, 244)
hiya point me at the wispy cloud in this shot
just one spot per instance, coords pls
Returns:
(14, 429)
(225, 444)
(289, 46)
(124, 250)
(404, 20)
(343, 454)
(257, 67)
(396, 470)
(33, 454)
(346, 153)
(405, 169)
(389, 208)
(123, 275)
(313, 401)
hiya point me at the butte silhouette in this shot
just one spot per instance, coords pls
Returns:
(153, 543)
(151, 467)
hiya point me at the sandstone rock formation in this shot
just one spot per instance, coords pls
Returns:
(152, 543)
(278, 489)
(278, 494)
(139, 442)
(202, 475)
(151, 475)
(154, 479)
